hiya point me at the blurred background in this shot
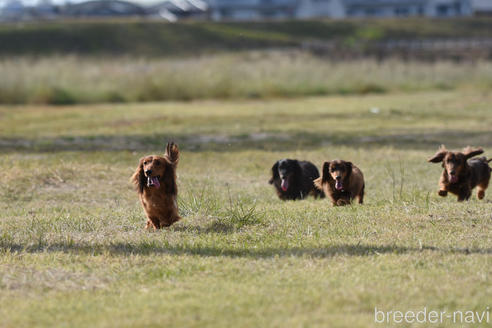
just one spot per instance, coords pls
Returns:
(217, 10)
(100, 51)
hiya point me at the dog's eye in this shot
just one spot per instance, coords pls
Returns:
(145, 163)
(157, 163)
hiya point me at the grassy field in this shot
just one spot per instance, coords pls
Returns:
(73, 252)
(248, 75)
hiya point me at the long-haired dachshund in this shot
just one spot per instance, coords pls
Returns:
(155, 180)
(462, 173)
(293, 179)
(342, 181)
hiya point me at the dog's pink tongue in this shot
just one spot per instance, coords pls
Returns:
(156, 182)
(338, 185)
(284, 185)
(453, 178)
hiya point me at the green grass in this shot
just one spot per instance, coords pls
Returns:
(144, 38)
(73, 252)
(248, 75)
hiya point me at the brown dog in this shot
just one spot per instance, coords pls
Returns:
(342, 181)
(461, 174)
(155, 180)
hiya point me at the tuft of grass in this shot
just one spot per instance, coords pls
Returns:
(241, 215)
(199, 201)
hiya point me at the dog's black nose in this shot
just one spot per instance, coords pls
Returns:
(338, 177)
(452, 172)
(148, 172)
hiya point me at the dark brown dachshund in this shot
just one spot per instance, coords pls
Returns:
(461, 174)
(155, 180)
(342, 181)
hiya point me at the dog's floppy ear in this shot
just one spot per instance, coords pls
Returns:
(469, 152)
(325, 172)
(138, 178)
(274, 173)
(439, 155)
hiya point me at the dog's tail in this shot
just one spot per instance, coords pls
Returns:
(484, 159)
(172, 152)
(488, 161)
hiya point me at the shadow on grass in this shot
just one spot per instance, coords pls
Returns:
(261, 141)
(214, 227)
(123, 249)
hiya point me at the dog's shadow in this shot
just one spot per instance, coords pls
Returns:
(214, 227)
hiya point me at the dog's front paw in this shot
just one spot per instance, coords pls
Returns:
(149, 226)
(342, 202)
(442, 193)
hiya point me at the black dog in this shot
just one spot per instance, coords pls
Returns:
(293, 179)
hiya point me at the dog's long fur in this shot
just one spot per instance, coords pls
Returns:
(159, 200)
(297, 177)
(462, 173)
(342, 181)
